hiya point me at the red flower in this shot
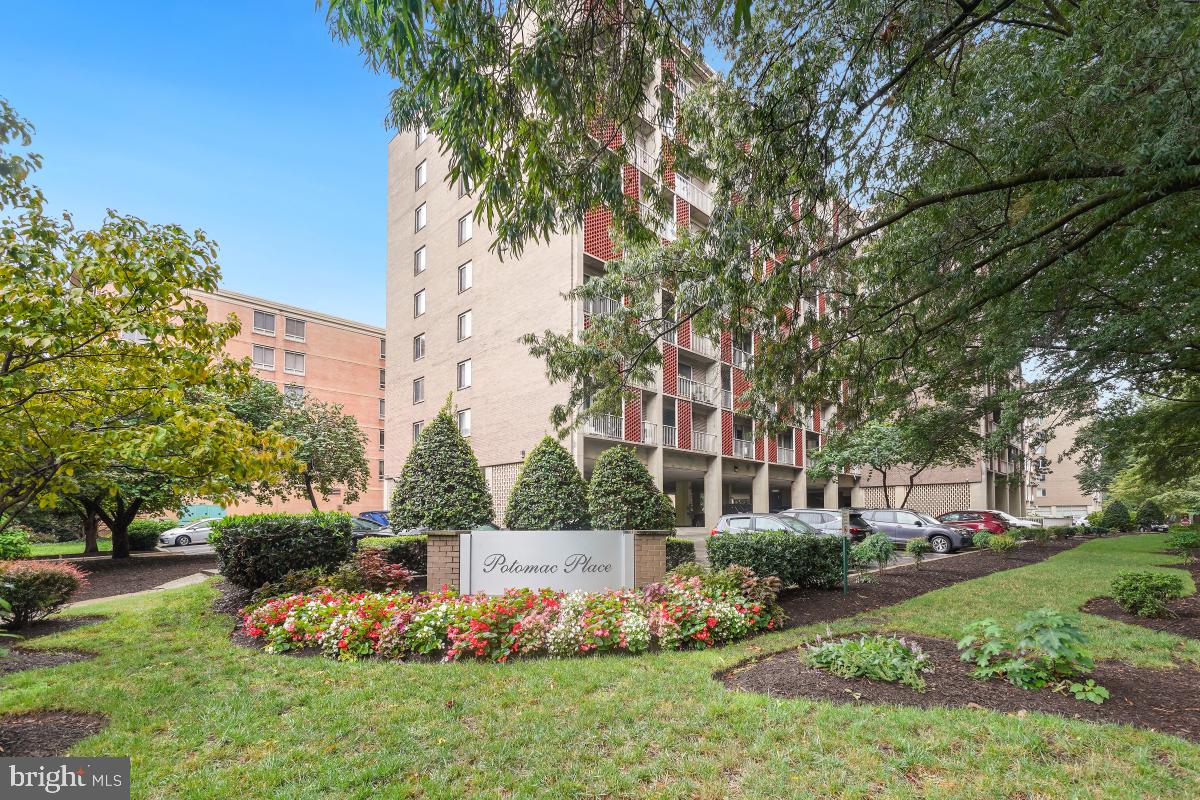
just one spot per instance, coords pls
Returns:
(711, 622)
(342, 643)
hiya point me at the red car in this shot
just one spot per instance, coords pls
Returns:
(976, 521)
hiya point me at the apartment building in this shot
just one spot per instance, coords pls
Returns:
(456, 314)
(305, 352)
(1055, 491)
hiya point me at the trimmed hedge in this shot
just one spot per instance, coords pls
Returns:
(407, 551)
(1116, 516)
(144, 533)
(550, 494)
(1146, 594)
(1149, 514)
(810, 562)
(679, 551)
(263, 548)
(622, 495)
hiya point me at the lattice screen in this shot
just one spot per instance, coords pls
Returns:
(500, 480)
(873, 497)
(929, 498)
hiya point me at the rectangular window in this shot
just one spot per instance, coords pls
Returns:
(464, 186)
(264, 322)
(380, 469)
(417, 430)
(382, 409)
(419, 303)
(418, 347)
(293, 362)
(293, 390)
(419, 261)
(464, 277)
(383, 348)
(418, 390)
(464, 325)
(381, 438)
(420, 217)
(383, 379)
(264, 357)
(421, 176)
(422, 135)
(464, 422)
(294, 329)
(464, 229)
(464, 374)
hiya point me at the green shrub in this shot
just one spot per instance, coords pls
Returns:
(666, 513)
(45, 525)
(32, 590)
(679, 551)
(14, 544)
(733, 580)
(407, 551)
(622, 495)
(550, 494)
(1002, 544)
(880, 658)
(981, 539)
(1149, 514)
(1061, 531)
(917, 549)
(1146, 594)
(1185, 541)
(1041, 536)
(1095, 519)
(806, 561)
(1116, 517)
(262, 548)
(441, 486)
(144, 533)
(298, 581)
(875, 549)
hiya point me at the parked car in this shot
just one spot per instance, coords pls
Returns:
(903, 524)
(1015, 522)
(486, 526)
(826, 521)
(361, 528)
(762, 522)
(378, 517)
(195, 532)
(976, 520)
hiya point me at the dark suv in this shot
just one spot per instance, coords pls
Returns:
(903, 524)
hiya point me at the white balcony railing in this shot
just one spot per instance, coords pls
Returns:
(643, 160)
(740, 358)
(696, 391)
(649, 433)
(743, 448)
(599, 306)
(692, 193)
(786, 455)
(664, 225)
(669, 438)
(726, 399)
(704, 442)
(671, 336)
(702, 345)
(608, 426)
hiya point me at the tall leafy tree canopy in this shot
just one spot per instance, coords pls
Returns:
(968, 184)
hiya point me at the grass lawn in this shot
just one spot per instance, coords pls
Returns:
(67, 548)
(203, 718)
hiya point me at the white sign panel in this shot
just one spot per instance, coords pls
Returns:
(492, 561)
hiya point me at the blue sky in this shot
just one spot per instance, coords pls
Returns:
(246, 120)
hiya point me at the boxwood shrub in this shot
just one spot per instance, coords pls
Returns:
(1146, 594)
(806, 561)
(261, 548)
(407, 551)
(144, 533)
(679, 551)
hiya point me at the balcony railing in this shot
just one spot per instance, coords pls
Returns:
(726, 399)
(786, 455)
(704, 442)
(665, 226)
(599, 306)
(671, 336)
(704, 346)
(669, 436)
(743, 448)
(649, 433)
(696, 391)
(740, 358)
(608, 426)
(643, 159)
(692, 193)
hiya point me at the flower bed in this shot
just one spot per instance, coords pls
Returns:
(693, 612)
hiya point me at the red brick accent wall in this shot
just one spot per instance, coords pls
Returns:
(668, 159)
(727, 432)
(683, 418)
(670, 369)
(758, 448)
(631, 182)
(597, 234)
(773, 449)
(684, 333)
(633, 418)
(726, 347)
(607, 133)
(740, 385)
(816, 417)
(801, 443)
(683, 215)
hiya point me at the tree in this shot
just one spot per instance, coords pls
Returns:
(1149, 514)
(622, 494)
(977, 184)
(549, 494)
(1116, 517)
(441, 486)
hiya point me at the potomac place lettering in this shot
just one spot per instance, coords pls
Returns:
(576, 562)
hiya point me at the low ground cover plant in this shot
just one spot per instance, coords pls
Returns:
(33, 590)
(1146, 594)
(1046, 648)
(693, 611)
(408, 551)
(875, 549)
(1002, 544)
(880, 658)
(368, 571)
(1185, 541)
(263, 548)
(810, 562)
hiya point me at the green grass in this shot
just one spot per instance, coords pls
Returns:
(67, 548)
(203, 718)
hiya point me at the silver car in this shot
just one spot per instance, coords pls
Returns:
(737, 523)
(195, 532)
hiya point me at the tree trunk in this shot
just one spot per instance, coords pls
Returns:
(91, 529)
(308, 487)
(887, 496)
(118, 523)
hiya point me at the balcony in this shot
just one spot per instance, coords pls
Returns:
(643, 159)
(786, 455)
(741, 359)
(606, 426)
(703, 346)
(599, 306)
(743, 448)
(671, 336)
(692, 193)
(649, 433)
(669, 436)
(696, 392)
(703, 442)
(664, 226)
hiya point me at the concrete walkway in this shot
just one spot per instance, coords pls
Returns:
(178, 583)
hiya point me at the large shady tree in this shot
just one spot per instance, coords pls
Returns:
(967, 185)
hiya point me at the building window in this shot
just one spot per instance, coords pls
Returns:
(422, 175)
(294, 329)
(419, 303)
(418, 347)
(417, 430)
(381, 469)
(383, 379)
(383, 348)
(419, 261)
(464, 422)
(293, 390)
(464, 374)
(422, 135)
(382, 409)
(264, 357)
(464, 185)
(381, 438)
(464, 229)
(420, 217)
(264, 322)
(464, 277)
(293, 362)
(464, 325)
(418, 390)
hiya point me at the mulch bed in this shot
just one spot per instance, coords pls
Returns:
(1167, 701)
(808, 606)
(42, 734)
(20, 659)
(46, 627)
(1185, 611)
(108, 577)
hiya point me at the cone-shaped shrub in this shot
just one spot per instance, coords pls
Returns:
(550, 494)
(1116, 517)
(666, 513)
(622, 495)
(1150, 514)
(441, 486)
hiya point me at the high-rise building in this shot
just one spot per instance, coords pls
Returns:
(305, 352)
(1055, 491)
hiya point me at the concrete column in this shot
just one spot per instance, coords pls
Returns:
(1015, 507)
(760, 490)
(684, 497)
(654, 415)
(714, 495)
(858, 497)
(989, 486)
(800, 489)
(979, 495)
(830, 500)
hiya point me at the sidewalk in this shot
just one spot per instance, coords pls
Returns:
(178, 583)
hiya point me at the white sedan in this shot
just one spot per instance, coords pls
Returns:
(191, 533)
